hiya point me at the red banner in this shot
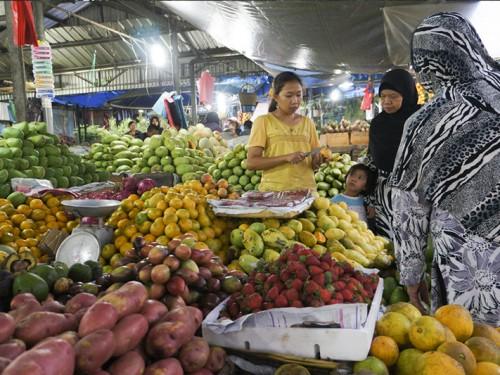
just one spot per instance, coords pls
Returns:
(23, 23)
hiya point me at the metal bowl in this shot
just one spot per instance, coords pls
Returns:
(91, 207)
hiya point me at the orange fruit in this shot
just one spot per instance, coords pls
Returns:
(186, 225)
(130, 230)
(53, 225)
(437, 363)
(54, 210)
(119, 241)
(487, 368)
(407, 309)
(61, 216)
(3, 216)
(394, 325)
(169, 211)
(17, 219)
(24, 209)
(161, 205)
(31, 242)
(149, 238)
(28, 233)
(139, 204)
(122, 223)
(175, 203)
(144, 227)
(27, 224)
(457, 319)
(125, 247)
(157, 228)
(172, 230)
(163, 240)
(154, 213)
(52, 202)
(38, 214)
(182, 213)
(427, 333)
(108, 251)
(385, 349)
(170, 219)
(72, 224)
(36, 203)
(210, 233)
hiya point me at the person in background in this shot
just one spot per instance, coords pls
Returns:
(359, 182)
(155, 122)
(446, 178)
(398, 96)
(281, 141)
(247, 127)
(212, 122)
(153, 130)
(132, 130)
(232, 127)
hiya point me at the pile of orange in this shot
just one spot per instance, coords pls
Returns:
(164, 213)
(23, 226)
(449, 342)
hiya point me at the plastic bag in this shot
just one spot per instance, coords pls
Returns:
(30, 186)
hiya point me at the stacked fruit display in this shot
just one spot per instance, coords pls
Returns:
(162, 214)
(327, 227)
(449, 342)
(123, 332)
(298, 278)
(207, 140)
(330, 178)
(27, 151)
(115, 154)
(23, 222)
(173, 153)
(233, 168)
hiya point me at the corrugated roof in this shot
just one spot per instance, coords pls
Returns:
(109, 47)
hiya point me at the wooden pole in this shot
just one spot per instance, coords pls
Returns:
(192, 81)
(16, 67)
(175, 56)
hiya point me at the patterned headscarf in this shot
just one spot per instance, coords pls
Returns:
(450, 150)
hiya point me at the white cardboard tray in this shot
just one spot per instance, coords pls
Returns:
(322, 343)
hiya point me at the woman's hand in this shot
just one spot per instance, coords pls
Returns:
(419, 293)
(295, 157)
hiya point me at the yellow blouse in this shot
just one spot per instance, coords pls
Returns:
(278, 138)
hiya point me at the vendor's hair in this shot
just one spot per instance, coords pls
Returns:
(131, 121)
(279, 82)
(154, 117)
(370, 176)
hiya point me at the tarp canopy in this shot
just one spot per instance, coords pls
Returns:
(90, 100)
(327, 36)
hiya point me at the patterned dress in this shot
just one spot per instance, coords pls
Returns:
(446, 179)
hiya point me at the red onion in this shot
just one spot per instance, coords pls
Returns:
(145, 185)
(130, 184)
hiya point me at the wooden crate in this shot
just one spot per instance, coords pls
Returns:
(334, 139)
(359, 138)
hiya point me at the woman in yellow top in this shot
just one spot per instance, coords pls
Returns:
(279, 141)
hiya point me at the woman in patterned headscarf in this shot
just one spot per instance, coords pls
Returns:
(446, 179)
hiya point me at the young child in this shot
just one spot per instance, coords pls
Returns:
(359, 182)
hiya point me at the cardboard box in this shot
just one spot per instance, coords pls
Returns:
(334, 139)
(322, 343)
(359, 138)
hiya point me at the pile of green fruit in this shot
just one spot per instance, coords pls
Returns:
(330, 178)
(28, 151)
(172, 153)
(233, 168)
(115, 154)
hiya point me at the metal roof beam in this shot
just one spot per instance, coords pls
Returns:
(212, 52)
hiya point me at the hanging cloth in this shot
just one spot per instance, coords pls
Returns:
(206, 87)
(23, 23)
(367, 102)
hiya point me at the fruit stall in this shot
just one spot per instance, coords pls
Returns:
(161, 278)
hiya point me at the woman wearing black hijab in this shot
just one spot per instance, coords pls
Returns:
(398, 96)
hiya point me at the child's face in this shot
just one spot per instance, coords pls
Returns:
(356, 181)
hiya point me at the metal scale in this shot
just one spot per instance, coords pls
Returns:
(87, 240)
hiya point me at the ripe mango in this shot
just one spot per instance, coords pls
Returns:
(248, 262)
(319, 249)
(321, 203)
(334, 234)
(325, 223)
(270, 255)
(288, 232)
(307, 225)
(271, 223)
(307, 238)
(253, 242)
(273, 238)
(295, 225)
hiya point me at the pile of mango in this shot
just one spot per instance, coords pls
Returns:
(330, 177)
(162, 214)
(24, 221)
(115, 154)
(326, 227)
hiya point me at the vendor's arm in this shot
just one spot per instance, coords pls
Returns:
(256, 160)
(410, 227)
(317, 159)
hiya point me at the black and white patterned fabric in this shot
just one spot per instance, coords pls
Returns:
(446, 179)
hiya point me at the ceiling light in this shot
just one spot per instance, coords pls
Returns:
(158, 55)
(335, 95)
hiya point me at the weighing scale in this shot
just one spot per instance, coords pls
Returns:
(87, 240)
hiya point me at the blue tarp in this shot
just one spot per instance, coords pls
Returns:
(90, 100)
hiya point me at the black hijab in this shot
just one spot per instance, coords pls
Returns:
(386, 129)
